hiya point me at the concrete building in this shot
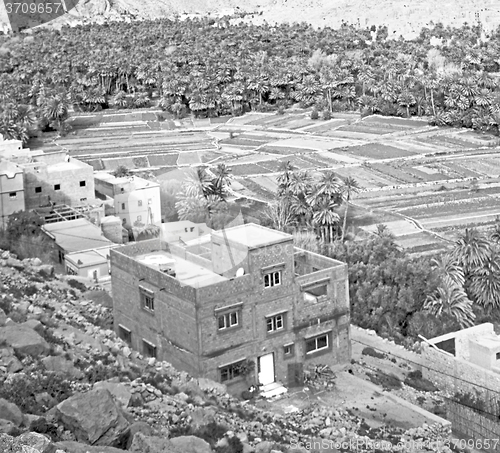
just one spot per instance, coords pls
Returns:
(11, 190)
(183, 231)
(237, 297)
(91, 264)
(136, 200)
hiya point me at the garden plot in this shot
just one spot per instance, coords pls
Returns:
(397, 228)
(252, 158)
(304, 143)
(414, 145)
(188, 158)
(248, 169)
(367, 179)
(337, 158)
(268, 183)
(394, 173)
(422, 242)
(325, 127)
(378, 151)
(255, 187)
(427, 173)
(161, 160)
(461, 219)
(481, 166)
(460, 168)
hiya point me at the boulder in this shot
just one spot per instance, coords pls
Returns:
(24, 340)
(27, 443)
(202, 416)
(37, 441)
(7, 427)
(191, 444)
(152, 444)
(35, 325)
(207, 385)
(9, 411)
(10, 361)
(62, 365)
(264, 447)
(76, 447)
(14, 263)
(120, 392)
(44, 270)
(138, 428)
(93, 417)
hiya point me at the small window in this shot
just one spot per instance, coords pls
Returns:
(83, 183)
(57, 186)
(230, 372)
(13, 195)
(275, 323)
(123, 206)
(147, 299)
(125, 334)
(318, 343)
(228, 320)
(149, 349)
(139, 202)
(272, 279)
(38, 190)
(139, 218)
(83, 199)
(288, 351)
(498, 356)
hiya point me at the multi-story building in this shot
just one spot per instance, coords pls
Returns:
(136, 200)
(11, 190)
(237, 296)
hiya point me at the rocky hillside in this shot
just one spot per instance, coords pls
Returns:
(68, 384)
(401, 16)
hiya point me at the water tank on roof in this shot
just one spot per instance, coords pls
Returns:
(240, 272)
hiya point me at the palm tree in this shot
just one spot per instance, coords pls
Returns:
(471, 250)
(350, 186)
(485, 282)
(448, 268)
(279, 215)
(452, 300)
(284, 177)
(325, 219)
(221, 181)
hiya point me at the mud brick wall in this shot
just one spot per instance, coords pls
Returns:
(483, 431)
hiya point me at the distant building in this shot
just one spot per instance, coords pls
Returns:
(183, 230)
(240, 296)
(136, 200)
(11, 190)
(91, 264)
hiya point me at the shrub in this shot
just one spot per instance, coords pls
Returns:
(372, 353)
(327, 115)
(77, 285)
(314, 115)
(387, 381)
(415, 380)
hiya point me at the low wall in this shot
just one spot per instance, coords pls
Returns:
(484, 433)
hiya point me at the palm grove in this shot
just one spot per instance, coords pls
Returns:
(210, 67)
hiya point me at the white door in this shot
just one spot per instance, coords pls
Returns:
(266, 369)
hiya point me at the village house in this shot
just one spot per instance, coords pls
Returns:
(11, 191)
(241, 306)
(136, 200)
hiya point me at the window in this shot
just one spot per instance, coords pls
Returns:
(148, 348)
(13, 195)
(275, 323)
(125, 334)
(123, 206)
(272, 279)
(227, 320)
(316, 293)
(139, 218)
(288, 350)
(147, 299)
(231, 371)
(57, 186)
(38, 190)
(83, 183)
(139, 202)
(317, 343)
(498, 356)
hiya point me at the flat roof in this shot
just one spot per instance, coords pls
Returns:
(88, 258)
(490, 342)
(187, 272)
(76, 235)
(252, 235)
(138, 183)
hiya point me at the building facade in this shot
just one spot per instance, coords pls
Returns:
(11, 191)
(240, 296)
(136, 200)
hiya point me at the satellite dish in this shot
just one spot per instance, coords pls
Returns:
(240, 272)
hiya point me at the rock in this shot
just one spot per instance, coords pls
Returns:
(37, 441)
(247, 448)
(120, 392)
(126, 352)
(36, 262)
(60, 364)
(15, 263)
(93, 417)
(9, 411)
(44, 270)
(152, 444)
(35, 325)
(136, 428)
(3, 318)
(24, 340)
(208, 385)
(191, 444)
(76, 447)
(202, 416)
(7, 427)
(10, 361)
(264, 447)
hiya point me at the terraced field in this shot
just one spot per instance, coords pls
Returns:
(431, 181)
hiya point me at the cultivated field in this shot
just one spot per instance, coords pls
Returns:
(424, 182)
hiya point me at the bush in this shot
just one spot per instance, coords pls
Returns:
(386, 381)
(77, 285)
(372, 353)
(416, 381)
(314, 115)
(327, 115)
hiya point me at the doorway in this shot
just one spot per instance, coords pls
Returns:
(266, 369)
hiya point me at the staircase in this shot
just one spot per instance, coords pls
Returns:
(272, 390)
